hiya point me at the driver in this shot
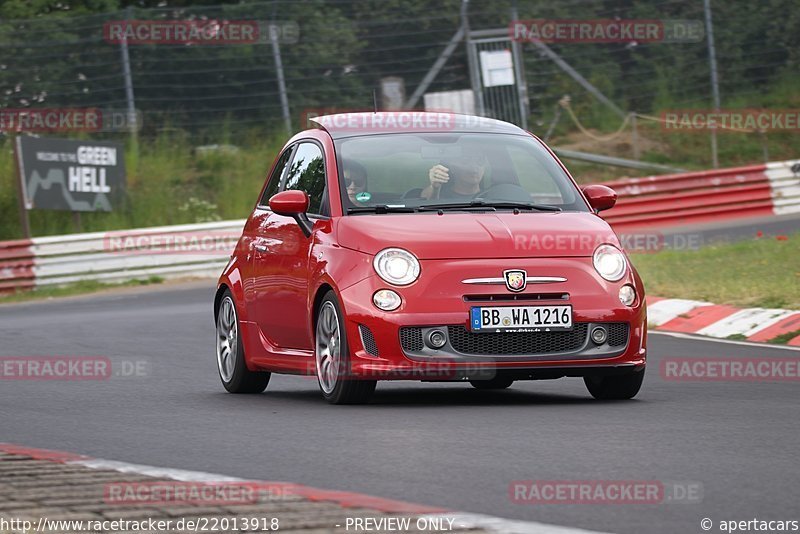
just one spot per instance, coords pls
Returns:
(459, 180)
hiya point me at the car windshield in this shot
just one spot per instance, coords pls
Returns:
(411, 172)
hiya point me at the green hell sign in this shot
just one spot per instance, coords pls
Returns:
(64, 174)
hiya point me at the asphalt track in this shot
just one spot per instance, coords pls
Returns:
(442, 444)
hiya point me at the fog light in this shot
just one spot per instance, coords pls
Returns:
(627, 295)
(599, 335)
(386, 300)
(436, 339)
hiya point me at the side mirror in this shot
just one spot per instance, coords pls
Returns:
(292, 203)
(600, 197)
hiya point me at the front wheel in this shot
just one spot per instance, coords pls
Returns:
(332, 357)
(615, 387)
(235, 376)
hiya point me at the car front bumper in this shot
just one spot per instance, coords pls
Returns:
(392, 345)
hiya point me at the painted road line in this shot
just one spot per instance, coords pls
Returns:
(751, 344)
(346, 499)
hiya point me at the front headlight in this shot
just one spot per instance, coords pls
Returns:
(396, 266)
(609, 262)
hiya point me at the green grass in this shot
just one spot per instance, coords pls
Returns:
(784, 338)
(761, 272)
(167, 183)
(68, 290)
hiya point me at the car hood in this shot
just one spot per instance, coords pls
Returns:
(477, 235)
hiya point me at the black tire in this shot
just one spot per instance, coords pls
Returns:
(344, 391)
(241, 380)
(615, 387)
(498, 382)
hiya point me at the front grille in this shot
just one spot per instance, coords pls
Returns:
(516, 343)
(467, 342)
(411, 339)
(368, 339)
(617, 334)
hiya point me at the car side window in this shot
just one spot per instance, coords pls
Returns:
(275, 178)
(307, 173)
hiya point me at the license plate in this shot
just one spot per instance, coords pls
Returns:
(520, 318)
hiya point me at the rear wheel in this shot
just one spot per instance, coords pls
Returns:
(498, 382)
(615, 387)
(235, 376)
(332, 357)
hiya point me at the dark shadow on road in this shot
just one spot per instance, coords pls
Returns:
(414, 397)
(468, 396)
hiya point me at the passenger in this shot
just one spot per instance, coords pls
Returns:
(355, 180)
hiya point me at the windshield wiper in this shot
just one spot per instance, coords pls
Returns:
(479, 203)
(381, 208)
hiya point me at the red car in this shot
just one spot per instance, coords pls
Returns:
(425, 246)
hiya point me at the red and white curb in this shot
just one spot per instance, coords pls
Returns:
(345, 499)
(719, 321)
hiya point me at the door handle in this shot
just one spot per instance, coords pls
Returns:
(260, 248)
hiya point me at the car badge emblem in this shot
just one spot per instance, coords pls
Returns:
(516, 279)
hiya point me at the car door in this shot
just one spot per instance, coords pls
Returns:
(256, 235)
(282, 255)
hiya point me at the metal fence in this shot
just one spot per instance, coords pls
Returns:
(332, 54)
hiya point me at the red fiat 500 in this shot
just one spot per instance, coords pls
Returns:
(424, 246)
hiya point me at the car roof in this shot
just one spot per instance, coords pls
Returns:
(342, 125)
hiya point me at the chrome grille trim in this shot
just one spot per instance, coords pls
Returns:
(502, 281)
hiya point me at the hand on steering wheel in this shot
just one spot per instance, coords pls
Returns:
(438, 175)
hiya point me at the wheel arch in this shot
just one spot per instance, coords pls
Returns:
(218, 297)
(231, 279)
(322, 290)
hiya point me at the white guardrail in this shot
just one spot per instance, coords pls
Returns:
(166, 251)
